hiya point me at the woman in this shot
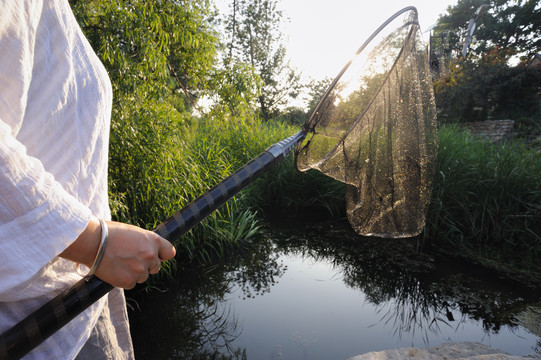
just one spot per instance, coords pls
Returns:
(55, 106)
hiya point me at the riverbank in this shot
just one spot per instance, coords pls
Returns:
(448, 351)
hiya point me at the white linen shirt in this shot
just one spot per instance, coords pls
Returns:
(55, 106)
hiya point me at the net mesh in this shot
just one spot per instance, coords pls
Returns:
(375, 130)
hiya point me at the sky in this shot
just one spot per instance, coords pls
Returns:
(322, 35)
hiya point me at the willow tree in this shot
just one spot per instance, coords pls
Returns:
(159, 56)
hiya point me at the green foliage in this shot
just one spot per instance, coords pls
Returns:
(256, 40)
(488, 89)
(234, 92)
(158, 56)
(485, 202)
(484, 86)
(513, 25)
(161, 55)
(151, 48)
(220, 147)
(147, 153)
(235, 227)
(296, 194)
(283, 186)
(293, 116)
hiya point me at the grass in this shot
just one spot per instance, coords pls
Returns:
(161, 163)
(485, 205)
(486, 201)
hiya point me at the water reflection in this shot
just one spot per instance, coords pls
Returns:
(409, 292)
(415, 292)
(189, 319)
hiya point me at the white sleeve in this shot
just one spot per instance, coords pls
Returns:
(38, 219)
(55, 104)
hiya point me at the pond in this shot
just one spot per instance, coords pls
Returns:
(327, 293)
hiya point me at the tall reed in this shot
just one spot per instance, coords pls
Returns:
(486, 201)
(160, 160)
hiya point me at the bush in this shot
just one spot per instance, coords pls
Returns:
(147, 154)
(488, 89)
(485, 202)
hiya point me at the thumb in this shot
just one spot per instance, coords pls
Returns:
(166, 250)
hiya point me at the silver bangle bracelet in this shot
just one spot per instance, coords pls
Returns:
(101, 250)
(99, 254)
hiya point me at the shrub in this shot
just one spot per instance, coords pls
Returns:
(489, 88)
(147, 154)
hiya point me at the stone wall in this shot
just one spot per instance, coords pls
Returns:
(495, 130)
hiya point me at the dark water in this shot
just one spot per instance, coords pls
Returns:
(329, 294)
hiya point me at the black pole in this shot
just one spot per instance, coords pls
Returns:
(38, 326)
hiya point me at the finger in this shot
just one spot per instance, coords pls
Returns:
(155, 269)
(166, 250)
(143, 277)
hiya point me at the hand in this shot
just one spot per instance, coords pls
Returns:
(131, 254)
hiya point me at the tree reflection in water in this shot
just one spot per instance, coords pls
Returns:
(196, 324)
(417, 292)
(414, 291)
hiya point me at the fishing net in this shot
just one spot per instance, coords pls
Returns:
(375, 130)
